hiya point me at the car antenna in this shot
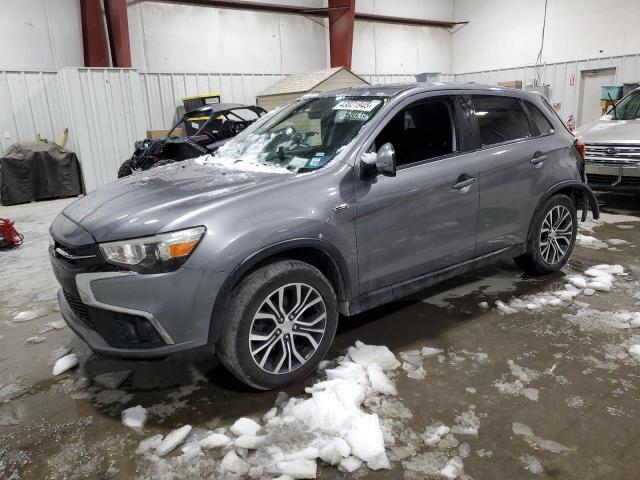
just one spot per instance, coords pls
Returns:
(613, 104)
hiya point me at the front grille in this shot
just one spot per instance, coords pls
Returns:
(78, 308)
(613, 154)
(610, 179)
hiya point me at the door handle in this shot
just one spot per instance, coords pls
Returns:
(464, 183)
(538, 159)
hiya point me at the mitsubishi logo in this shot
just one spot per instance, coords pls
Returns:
(611, 151)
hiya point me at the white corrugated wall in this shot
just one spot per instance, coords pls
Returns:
(558, 76)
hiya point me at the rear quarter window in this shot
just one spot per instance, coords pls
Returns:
(541, 121)
(500, 119)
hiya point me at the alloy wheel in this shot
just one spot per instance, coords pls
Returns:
(287, 328)
(556, 234)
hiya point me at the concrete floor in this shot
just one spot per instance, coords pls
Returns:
(573, 361)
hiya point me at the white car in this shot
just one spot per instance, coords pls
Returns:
(613, 147)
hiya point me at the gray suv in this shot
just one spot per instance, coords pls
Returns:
(333, 204)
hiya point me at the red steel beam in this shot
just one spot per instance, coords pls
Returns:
(118, 27)
(297, 10)
(341, 20)
(94, 39)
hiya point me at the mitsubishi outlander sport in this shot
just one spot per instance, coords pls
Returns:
(333, 204)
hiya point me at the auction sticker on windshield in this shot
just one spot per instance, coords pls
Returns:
(359, 105)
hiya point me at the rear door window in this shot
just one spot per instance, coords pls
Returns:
(500, 119)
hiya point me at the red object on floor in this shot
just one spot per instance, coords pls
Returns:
(9, 236)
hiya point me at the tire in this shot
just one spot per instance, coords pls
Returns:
(544, 254)
(259, 363)
(125, 169)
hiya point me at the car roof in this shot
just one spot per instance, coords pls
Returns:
(394, 89)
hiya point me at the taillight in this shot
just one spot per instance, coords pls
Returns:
(581, 148)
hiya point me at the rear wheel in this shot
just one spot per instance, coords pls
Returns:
(279, 324)
(553, 236)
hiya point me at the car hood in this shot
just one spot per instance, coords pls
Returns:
(143, 203)
(610, 131)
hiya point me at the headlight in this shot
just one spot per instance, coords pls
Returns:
(160, 253)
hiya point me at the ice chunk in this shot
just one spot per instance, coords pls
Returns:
(29, 315)
(634, 351)
(270, 414)
(433, 434)
(600, 286)
(379, 380)
(134, 417)
(330, 454)
(588, 291)
(148, 444)
(350, 464)
(414, 357)
(453, 469)
(65, 363)
(467, 423)
(365, 437)
(504, 308)
(365, 355)
(56, 324)
(234, 464)
(578, 282)
(430, 351)
(245, 426)
(299, 468)
(343, 447)
(250, 442)
(190, 449)
(172, 440)
(309, 453)
(111, 380)
(215, 440)
(483, 305)
(417, 373)
(36, 339)
(531, 463)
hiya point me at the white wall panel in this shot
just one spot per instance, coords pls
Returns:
(104, 110)
(508, 32)
(558, 76)
(40, 34)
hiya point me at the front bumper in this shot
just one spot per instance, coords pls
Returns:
(613, 178)
(126, 314)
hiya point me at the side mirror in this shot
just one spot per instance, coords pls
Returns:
(383, 162)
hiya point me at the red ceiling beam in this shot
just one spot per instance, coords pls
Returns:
(94, 40)
(341, 20)
(118, 27)
(320, 12)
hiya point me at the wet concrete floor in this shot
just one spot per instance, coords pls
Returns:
(586, 385)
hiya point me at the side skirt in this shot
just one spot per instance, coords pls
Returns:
(398, 290)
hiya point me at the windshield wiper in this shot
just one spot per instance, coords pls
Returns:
(613, 104)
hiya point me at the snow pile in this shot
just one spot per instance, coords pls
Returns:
(65, 363)
(335, 422)
(588, 241)
(599, 278)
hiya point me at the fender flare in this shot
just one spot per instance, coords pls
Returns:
(588, 196)
(344, 288)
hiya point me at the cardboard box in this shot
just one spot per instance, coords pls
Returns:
(517, 84)
(178, 132)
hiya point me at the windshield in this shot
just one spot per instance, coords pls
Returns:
(300, 137)
(626, 109)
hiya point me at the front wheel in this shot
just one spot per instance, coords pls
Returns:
(553, 236)
(279, 324)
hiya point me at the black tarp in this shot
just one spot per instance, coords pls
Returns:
(36, 171)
